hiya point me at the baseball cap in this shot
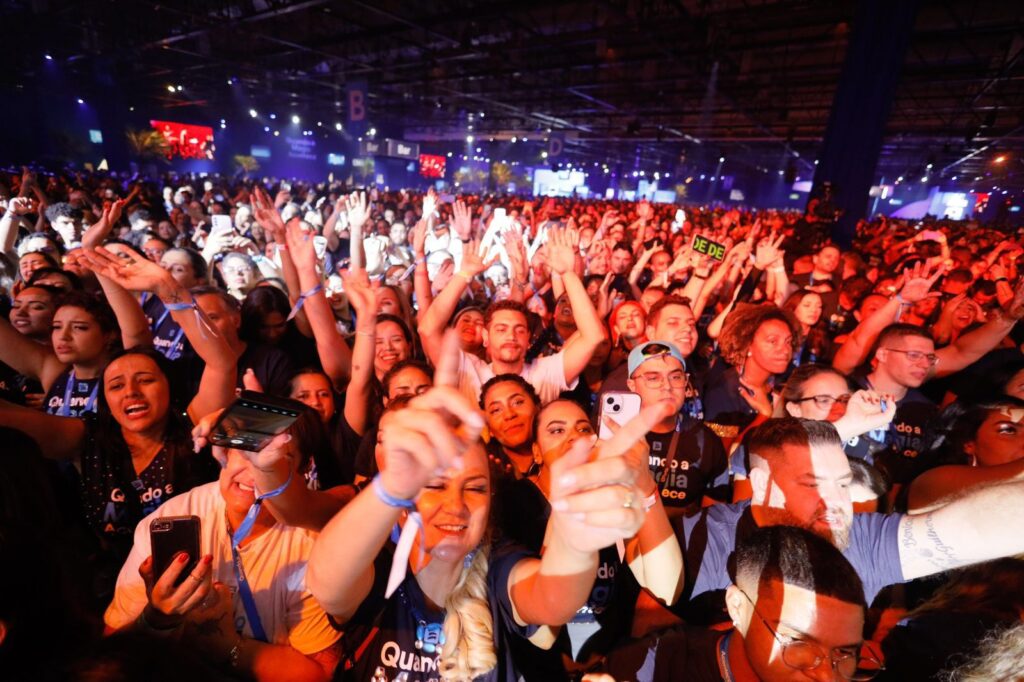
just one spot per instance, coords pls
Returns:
(652, 349)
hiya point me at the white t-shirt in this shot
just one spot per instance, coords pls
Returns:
(274, 563)
(545, 374)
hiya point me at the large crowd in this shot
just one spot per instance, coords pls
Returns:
(540, 438)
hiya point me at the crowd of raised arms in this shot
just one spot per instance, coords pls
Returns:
(544, 438)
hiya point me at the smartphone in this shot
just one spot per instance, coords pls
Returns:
(286, 186)
(620, 407)
(252, 421)
(221, 225)
(320, 246)
(171, 536)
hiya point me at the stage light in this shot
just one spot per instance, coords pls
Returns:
(371, 132)
(954, 178)
(81, 101)
(170, 88)
(223, 125)
(277, 133)
(295, 119)
(252, 113)
(337, 126)
(319, 124)
(526, 139)
(543, 155)
(1000, 158)
(815, 162)
(273, 117)
(514, 139)
(180, 88)
(131, 108)
(266, 129)
(924, 179)
(721, 159)
(929, 166)
(478, 150)
(49, 58)
(469, 139)
(899, 179)
(449, 155)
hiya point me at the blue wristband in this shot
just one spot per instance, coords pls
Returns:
(389, 500)
(178, 307)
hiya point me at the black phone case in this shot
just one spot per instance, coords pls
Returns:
(170, 536)
(246, 438)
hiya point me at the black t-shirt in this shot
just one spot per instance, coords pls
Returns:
(679, 653)
(697, 465)
(168, 336)
(81, 395)
(724, 405)
(904, 452)
(379, 639)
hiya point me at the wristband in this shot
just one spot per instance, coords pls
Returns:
(390, 500)
(302, 299)
(464, 275)
(178, 307)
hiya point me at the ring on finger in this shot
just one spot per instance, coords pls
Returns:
(630, 500)
(193, 576)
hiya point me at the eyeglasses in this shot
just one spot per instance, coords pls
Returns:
(655, 380)
(801, 654)
(826, 402)
(916, 356)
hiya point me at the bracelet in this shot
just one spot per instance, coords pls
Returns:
(236, 652)
(464, 275)
(302, 299)
(651, 500)
(178, 307)
(388, 499)
(359, 331)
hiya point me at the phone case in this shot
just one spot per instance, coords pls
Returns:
(620, 407)
(168, 537)
(252, 421)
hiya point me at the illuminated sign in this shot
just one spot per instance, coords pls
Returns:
(335, 159)
(95, 136)
(260, 152)
(186, 141)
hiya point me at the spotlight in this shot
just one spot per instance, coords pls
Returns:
(371, 132)
(273, 117)
(469, 139)
(1000, 159)
(721, 159)
(295, 119)
(449, 155)
(924, 179)
(319, 124)
(180, 88)
(49, 57)
(266, 129)
(81, 101)
(337, 126)
(277, 133)
(514, 139)
(170, 88)
(252, 113)
(543, 155)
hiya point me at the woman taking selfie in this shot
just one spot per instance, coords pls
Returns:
(445, 602)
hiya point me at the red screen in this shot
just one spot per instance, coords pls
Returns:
(186, 141)
(432, 166)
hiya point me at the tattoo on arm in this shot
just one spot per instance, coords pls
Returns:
(931, 548)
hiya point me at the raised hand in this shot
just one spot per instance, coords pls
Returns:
(20, 205)
(517, 258)
(561, 248)
(129, 270)
(361, 295)
(267, 215)
(473, 259)
(768, 252)
(462, 220)
(432, 433)
(280, 448)
(419, 238)
(300, 246)
(595, 499)
(429, 204)
(358, 211)
(918, 281)
(864, 412)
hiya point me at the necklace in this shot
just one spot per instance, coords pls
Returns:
(429, 635)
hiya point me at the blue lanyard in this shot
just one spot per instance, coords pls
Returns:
(244, 591)
(90, 403)
(723, 658)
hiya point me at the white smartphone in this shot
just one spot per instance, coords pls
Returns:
(320, 246)
(500, 215)
(620, 407)
(221, 224)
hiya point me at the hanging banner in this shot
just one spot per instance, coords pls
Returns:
(556, 144)
(355, 107)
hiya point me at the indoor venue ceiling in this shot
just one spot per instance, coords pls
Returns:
(661, 80)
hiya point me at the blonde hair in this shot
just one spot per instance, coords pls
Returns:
(468, 627)
(1000, 657)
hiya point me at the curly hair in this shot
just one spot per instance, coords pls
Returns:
(468, 627)
(1000, 657)
(742, 324)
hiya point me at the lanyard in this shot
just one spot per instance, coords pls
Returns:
(723, 658)
(90, 403)
(244, 591)
(171, 352)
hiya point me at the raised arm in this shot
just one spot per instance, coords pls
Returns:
(562, 247)
(360, 386)
(435, 319)
(57, 437)
(594, 504)
(16, 207)
(335, 355)
(217, 385)
(27, 357)
(853, 353)
(100, 230)
(971, 346)
(982, 525)
(131, 319)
